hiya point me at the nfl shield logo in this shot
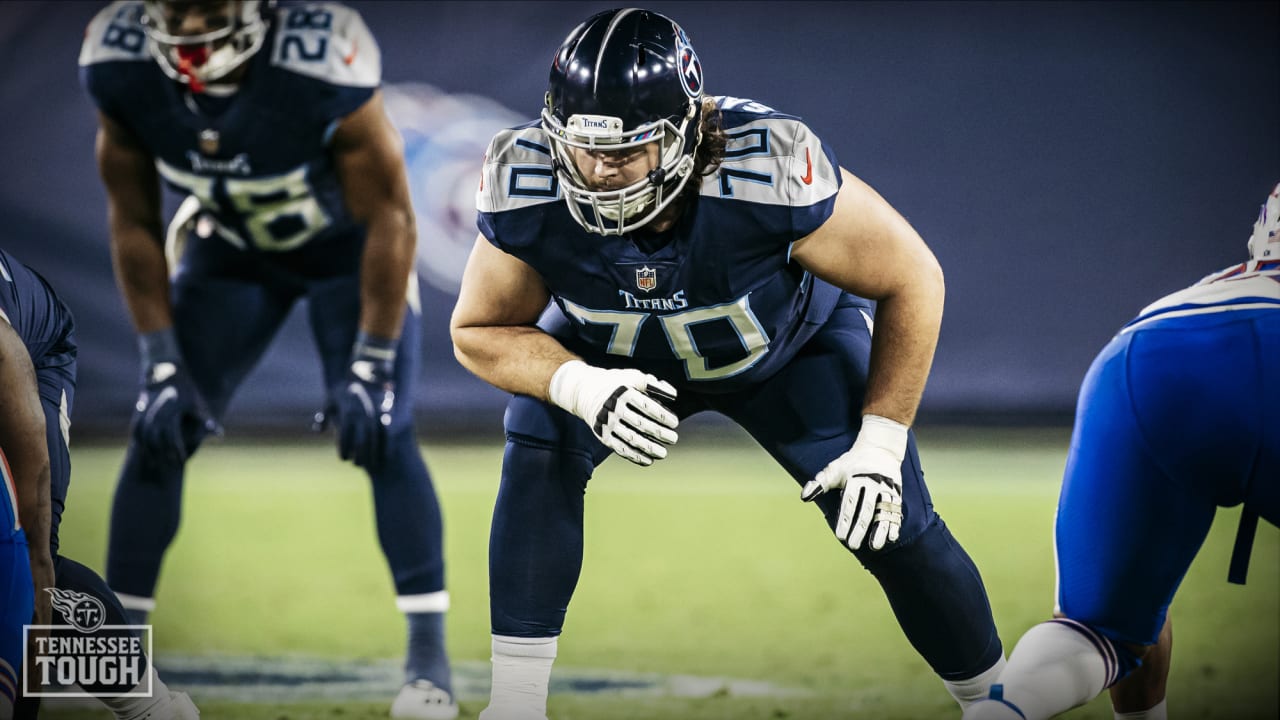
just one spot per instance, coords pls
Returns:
(209, 142)
(646, 278)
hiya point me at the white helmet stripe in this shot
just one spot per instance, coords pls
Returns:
(604, 43)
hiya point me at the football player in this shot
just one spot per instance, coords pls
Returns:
(37, 393)
(272, 122)
(1163, 437)
(702, 254)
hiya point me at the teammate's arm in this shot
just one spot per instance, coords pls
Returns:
(493, 324)
(367, 149)
(137, 236)
(22, 439)
(495, 337)
(868, 249)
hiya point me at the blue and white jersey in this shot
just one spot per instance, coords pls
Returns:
(258, 160)
(1248, 286)
(46, 328)
(718, 304)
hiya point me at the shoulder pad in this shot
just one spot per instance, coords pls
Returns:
(115, 34)
(328, 42)
(517, 171)
(773, 159)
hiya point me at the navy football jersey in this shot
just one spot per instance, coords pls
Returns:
(257, 160)
(46, 328)
(718, 304)
(44, 323)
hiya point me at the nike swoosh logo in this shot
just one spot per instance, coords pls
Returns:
(808, 169)
(165, 396)
(351, 56)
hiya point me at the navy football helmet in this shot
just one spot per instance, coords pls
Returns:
(622, 79)
(197, 42)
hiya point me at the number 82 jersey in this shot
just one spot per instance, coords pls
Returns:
(258, 160)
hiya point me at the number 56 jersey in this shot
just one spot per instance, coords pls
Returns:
(258, 159)
(714, 305)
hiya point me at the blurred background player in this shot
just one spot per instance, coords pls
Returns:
(1178, 415)
(272, 120)
(37, 393)
(705, 256)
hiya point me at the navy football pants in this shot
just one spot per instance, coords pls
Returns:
(805, 415)
(226, 312)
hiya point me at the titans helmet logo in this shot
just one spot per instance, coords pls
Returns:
(690, 68)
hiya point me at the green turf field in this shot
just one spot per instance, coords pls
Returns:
(709, 589)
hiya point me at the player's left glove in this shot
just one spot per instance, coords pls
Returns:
(363, 401)
(871, 475)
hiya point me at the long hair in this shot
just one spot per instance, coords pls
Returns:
(710, 152)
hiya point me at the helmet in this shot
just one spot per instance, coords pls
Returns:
(226, 33)
(1264, 244)
(622, 79)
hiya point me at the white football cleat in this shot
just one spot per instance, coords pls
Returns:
(992, 710)
(422, 700)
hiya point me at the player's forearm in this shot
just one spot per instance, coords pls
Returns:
(36, 515)
(22, 441)
(386, 265)
(142, 274)
(516, 358)
(902, 347)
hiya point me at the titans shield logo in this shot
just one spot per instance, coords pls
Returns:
(690, 67)
(646, 278)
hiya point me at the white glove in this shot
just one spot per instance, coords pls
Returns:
(620, 408)
(871, 475)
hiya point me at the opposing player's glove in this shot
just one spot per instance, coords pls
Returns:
(622, 408)
(172, 419)
(871, 475)
(363, 401)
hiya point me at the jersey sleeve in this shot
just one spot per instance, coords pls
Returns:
(776, 167)
(329, 43)
(516, 183)
(114, 42)
(812, 181)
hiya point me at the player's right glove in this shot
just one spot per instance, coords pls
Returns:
(363, 401)
(171, 419)
(621, 407)
(870, 474)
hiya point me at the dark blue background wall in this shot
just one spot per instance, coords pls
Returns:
(1067, 162)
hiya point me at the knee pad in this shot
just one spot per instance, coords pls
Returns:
(539, 424)
(939, 599)
(71, 575)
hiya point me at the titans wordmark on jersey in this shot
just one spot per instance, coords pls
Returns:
(718, 303)
(257, 160)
